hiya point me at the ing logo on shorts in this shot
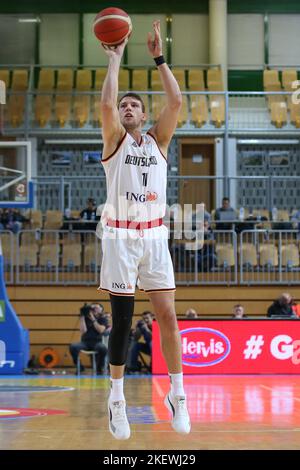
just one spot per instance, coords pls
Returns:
(121, 285)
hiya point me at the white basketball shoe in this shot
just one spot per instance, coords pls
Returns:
(180, 416)
(118, 422)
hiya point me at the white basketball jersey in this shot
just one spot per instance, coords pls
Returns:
(136, 180)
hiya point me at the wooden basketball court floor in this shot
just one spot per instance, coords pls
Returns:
(228, 413)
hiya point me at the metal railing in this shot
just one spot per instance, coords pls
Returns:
(61, 192)
(60, 257)
(203, 112)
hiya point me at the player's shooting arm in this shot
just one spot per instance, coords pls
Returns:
(164, 129)
(112, 129)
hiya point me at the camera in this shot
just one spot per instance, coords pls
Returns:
(85, 310)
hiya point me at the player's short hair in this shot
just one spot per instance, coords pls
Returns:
(135, 96)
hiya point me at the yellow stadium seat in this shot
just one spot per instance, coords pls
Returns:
(156, 84)
(268, 255)
(16, 103)
(28, 238)
(46, 80)
(65, 80)
(283, 215)
(271, 80)
(288, 77)
(199, 110)
(81, 109)
(225, 255)
(43, 109)
(196, 80)
(36, 218)
(63, 102)
(49, 255)
(295, 114)
(279, 114)
(217, 110)
(28, 255)
(83, 80)
(54, 220)
(123, 80)
(71, 238)
(99, 78)
(140, 80)
(19, 80)
(90, 254)
(290, 256)
(4, 77)
(62, 109)
(71, 255)
(248, 254)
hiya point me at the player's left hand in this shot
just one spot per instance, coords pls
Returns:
(155, 44)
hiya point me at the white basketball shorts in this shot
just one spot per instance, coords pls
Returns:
(136, 257)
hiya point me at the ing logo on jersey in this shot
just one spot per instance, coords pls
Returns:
(148, 197)
(151, 196)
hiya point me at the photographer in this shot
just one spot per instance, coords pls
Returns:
(93, 326)
(143, 330)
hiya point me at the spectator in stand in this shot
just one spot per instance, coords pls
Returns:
(282, 307)
(225, 213)
(191, 314)
(295, 219)
(238, 312)
(89, 214)
(143, 330)
(12, 219)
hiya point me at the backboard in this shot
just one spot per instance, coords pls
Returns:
(16, 188)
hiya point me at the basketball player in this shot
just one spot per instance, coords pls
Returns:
(135, 247)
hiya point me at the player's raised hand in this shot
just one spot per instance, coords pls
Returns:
(155, 44)
(115, 51)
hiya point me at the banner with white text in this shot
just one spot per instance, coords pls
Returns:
(234, 347)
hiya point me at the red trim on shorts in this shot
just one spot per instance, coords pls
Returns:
(116, 293)
(118, 146)
(159, 290)
(151, 135)
(129, 224)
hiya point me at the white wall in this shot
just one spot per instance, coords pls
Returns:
(284, 39)
(59, 37)
(245, 41)
(190, 39)
(137, 46)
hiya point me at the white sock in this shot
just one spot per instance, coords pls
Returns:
(116, 392)
(177, 384)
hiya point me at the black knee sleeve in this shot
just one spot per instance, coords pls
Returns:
(122, 308)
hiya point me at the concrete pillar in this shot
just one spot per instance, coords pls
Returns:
(218, 35)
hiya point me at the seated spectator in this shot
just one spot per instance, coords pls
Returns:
(12, 219)
(225, 213)
(282, 307)
(238, 312)
(206, 217)
(206, 256)
(295, 219)
(191, 314)
(89, 214)
(143, 330)
(93, 325)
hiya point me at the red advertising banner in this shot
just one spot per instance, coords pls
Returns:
(234, 347)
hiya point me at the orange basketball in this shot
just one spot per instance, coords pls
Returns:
(112, 26)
